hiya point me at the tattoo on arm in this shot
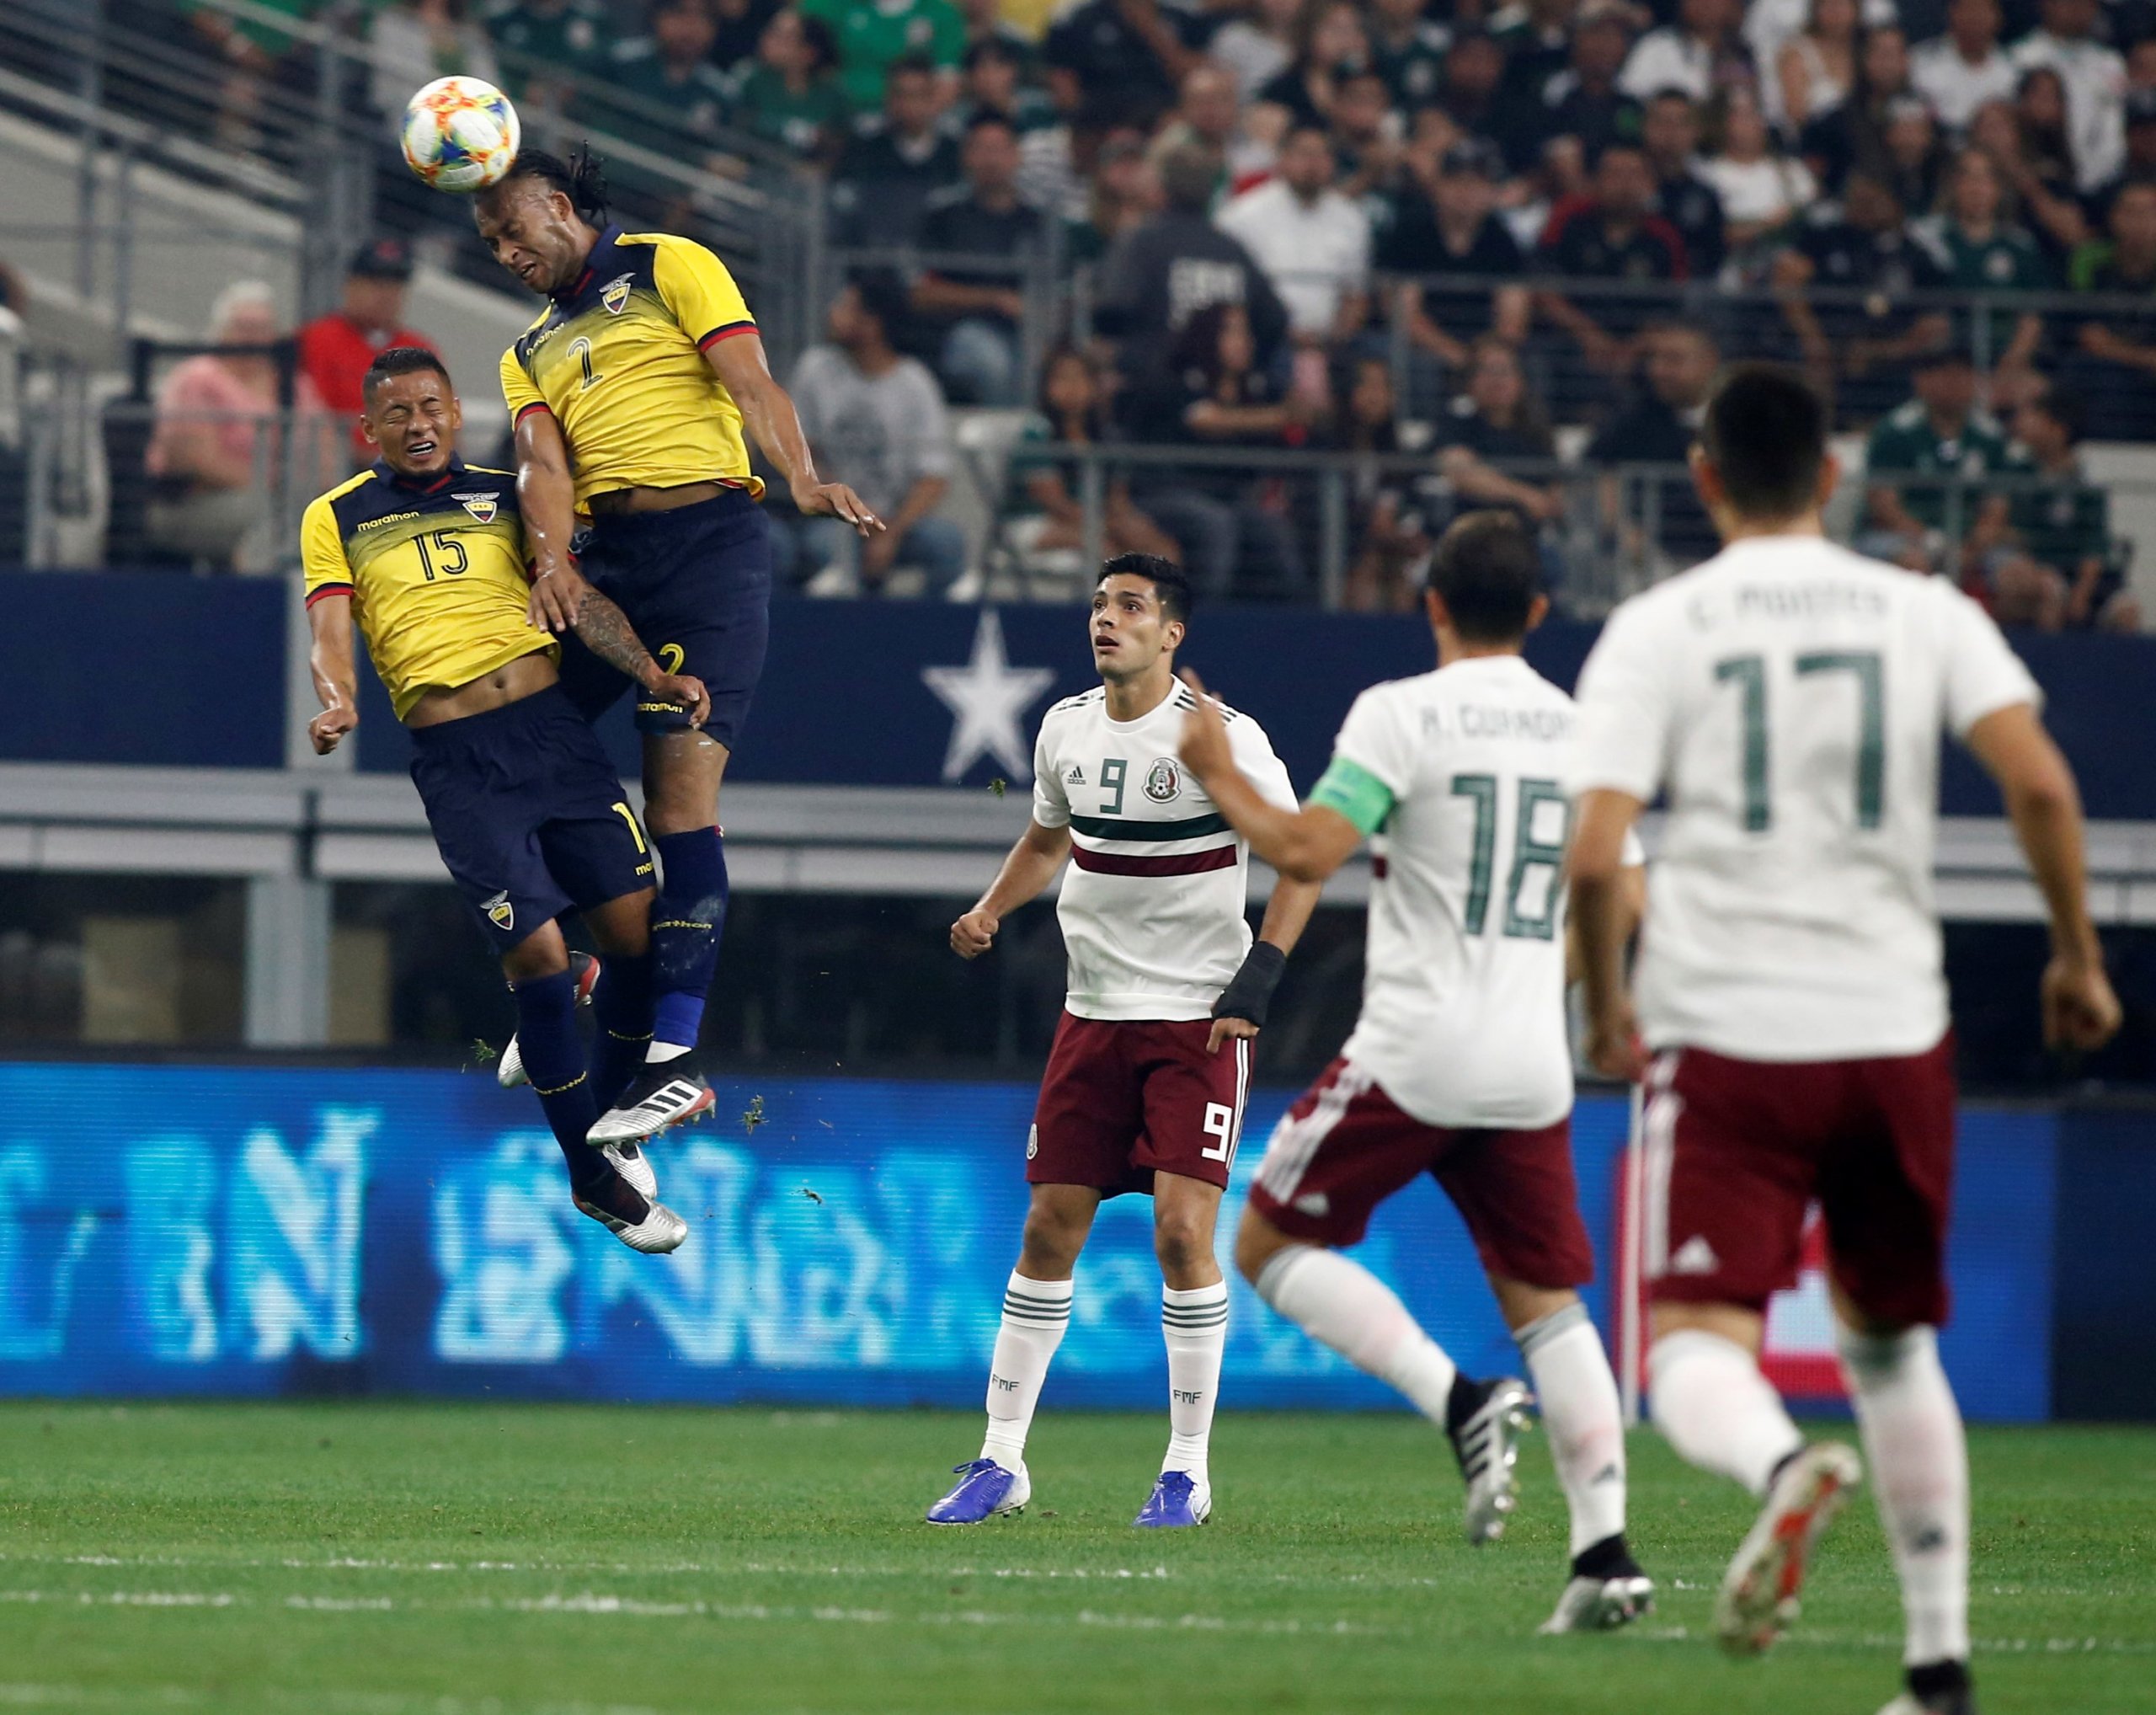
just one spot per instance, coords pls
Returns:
(605, 632)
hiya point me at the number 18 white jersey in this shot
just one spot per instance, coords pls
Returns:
(1790, 696)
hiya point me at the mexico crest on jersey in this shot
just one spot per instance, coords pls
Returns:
(499, 911)
(615, 294)
(482, 507)
(1164, 781)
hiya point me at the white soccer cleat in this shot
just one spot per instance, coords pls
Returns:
(659, 1230)
(1600, 1605)
(509, 1069)
(1487, 1446)
(632, 1164)
(1760, 1592)
(661, 1096)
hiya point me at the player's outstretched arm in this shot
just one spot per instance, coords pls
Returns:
(606, 631)
(546, 498)
(2043, 802)
(1027, 868)
(767, 411)
(336, 677)
(1603, 918)
(1305, 844)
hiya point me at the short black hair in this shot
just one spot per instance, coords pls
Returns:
(2066, 406)
(1171, 583)
(582, 178)
(401, 359)
(990, 47)
(1765, 434)
(988, 116)
(1488, 570)
(882, 294)
(914, 65)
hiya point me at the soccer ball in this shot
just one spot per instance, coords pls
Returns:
(460, 134)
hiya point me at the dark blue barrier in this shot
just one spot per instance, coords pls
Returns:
(269, 1231)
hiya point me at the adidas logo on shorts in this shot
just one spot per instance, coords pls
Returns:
(1695, 1255)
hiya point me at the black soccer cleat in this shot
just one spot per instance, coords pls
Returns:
(658, 1097)
(1484, 1421)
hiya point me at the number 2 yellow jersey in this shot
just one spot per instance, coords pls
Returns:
(619, 359)
(435, 572)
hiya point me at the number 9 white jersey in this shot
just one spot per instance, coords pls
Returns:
(1790, 697)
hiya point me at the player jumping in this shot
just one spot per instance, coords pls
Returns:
(1788, 697)
(630, 396)
(1145, 1082)
(427, 554)
(1458, 1064)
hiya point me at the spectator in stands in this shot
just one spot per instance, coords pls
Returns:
(1407, 49)
(887, 172)
(741, 24)
(217, 443)
(1911, 154)
(1866, 330)
(1313, 243)
(2115, 369)
(985, 22)
(1770, 25)
(1612, 235)
(1535, 38)
(1958, 72)
(1497, 422)
(874, 40)
(1474, 71)
(1669, 132)
(336, 348)
(1446, 222)
(413, 42)
(1123, 194)
(993, 81)
(877, 422)
(978, 309)
(2059, 565)
(2093, 77)
(1944, 519)
(790, 94)
(2043, 190)
(1258, 45)
(1385, 523)
(1984, 251)
(1213, 392)
(1582, 100)
(1856, 130)
(1332, 45)
(1114, 62)
(548, 45)
(1167, 269)
(1761, 190)
(1209, 116)
(1700, 53)
(1365, 135)
(1050, 515)
(674, 95)
(1816, 67)
(1659, 428)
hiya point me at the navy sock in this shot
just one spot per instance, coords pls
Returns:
(554, 1059)
(621, 1006)
(686, 921)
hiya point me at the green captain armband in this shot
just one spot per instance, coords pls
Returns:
(1351, 790)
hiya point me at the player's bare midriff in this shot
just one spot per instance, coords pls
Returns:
(524, 676)
(615, 501)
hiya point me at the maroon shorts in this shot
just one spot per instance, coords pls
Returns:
(1125, 1099)
(1345, 1148)
(1735, 1151)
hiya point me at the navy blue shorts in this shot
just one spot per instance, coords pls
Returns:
(695, 584)
(528, 814)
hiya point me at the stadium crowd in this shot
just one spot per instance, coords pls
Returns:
(1440, 226)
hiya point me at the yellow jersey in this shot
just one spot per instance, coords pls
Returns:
(619, 359)
(435, 572)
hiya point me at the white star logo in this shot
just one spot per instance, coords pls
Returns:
(988, 695)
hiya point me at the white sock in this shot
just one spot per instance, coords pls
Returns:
(1920, 1473)
(1195, 1326)
(1035, 1314)
(1341, 1304)
(1585, 1422)
(660, 1052)
(1716, 1409)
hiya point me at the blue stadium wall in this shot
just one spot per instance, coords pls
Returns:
(278, 1230)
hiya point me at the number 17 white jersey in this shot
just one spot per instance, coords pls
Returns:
(1790, 696)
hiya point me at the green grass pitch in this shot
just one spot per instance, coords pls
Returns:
(412, 1559)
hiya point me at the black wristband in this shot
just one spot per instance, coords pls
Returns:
(1251, 992)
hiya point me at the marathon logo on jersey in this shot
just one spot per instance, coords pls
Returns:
(615, 294)
(482, 507)
(499, 911)
(1164, 781)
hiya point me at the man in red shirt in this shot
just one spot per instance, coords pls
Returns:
(336, 348)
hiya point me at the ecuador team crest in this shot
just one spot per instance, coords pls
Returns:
(499, 911)
(482, 507)
(615, 294)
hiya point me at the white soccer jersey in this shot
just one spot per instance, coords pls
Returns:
(1463, 1020)
(1152, 905)
(1790, 696)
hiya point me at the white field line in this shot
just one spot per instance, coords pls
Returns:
(133, 1697)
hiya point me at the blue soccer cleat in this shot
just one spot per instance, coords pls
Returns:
(1178, 1500)
(986, 1490)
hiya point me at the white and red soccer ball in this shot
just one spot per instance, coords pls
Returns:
(460, 134)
